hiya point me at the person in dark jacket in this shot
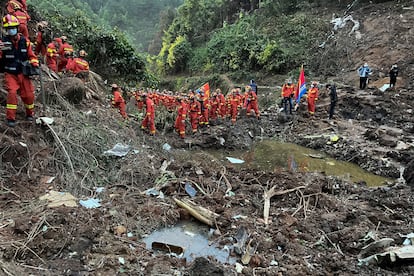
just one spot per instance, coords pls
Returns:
(253, 85)
(334, 98)
(393, 75)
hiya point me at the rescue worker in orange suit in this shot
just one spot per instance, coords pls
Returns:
(288, 92)
(312, 97)
(251, 103)
(205, 106)
(181, 116)
(149, 120)
(214, 105)
(16, 49)
(23, 18)
(195, 113)
(65, 51)
(52, 55)
(79, 66)
(222, 104)
(10, 6)
(118, 101)
(41, 43)
(233, 105)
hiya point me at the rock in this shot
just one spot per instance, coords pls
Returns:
(202, 266)
(409, 174)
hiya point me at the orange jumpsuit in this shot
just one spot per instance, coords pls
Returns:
(205, 106)
(64, 50)
(312, 98)
(233, 106)
(23, 18)
(77, 65)
(195, 113)
(181, 116)
(12, 3)
(214, 105)
(40, 44)
(14, 80)
(118, 101)
(52, 56)
(149, 120)
(250, 103)
(222, 105)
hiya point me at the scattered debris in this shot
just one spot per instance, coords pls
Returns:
(119, 150)
(57, 199)
(190, 190)
(45, 121)
(170, 248)
(235, 160)
(241, 238)
(90, 203)
(166, 147)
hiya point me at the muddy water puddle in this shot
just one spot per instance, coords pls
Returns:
(187, 240)
(272, 155)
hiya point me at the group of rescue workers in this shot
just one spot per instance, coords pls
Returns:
(201, 108)
(19, 58)
(198, 106)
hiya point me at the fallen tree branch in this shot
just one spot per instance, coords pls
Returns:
(228, 184)
(62, 146)
(269, 194)
(202, 214)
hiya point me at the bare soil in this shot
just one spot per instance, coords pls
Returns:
(317, 224)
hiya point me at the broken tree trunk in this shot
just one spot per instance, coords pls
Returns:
(202, 214)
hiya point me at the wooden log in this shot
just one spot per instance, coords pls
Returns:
(202, 214)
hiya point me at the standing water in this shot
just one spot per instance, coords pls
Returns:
(272, 155)
(187, 240)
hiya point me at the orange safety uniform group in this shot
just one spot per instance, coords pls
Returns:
(198, 107)
(118, 101)
(17, 49)
(312, 97)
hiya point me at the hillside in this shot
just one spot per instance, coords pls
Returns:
(317, 224)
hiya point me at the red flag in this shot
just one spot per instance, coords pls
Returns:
(206, 89)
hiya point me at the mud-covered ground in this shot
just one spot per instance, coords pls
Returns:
(317, 224)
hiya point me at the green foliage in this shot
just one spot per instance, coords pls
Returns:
(138, 18)
(199, 60)
(235, 47)
(178, 54)
(109, 51)
(196, 19)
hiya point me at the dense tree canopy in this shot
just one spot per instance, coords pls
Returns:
(196, 36)
(138, 18)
